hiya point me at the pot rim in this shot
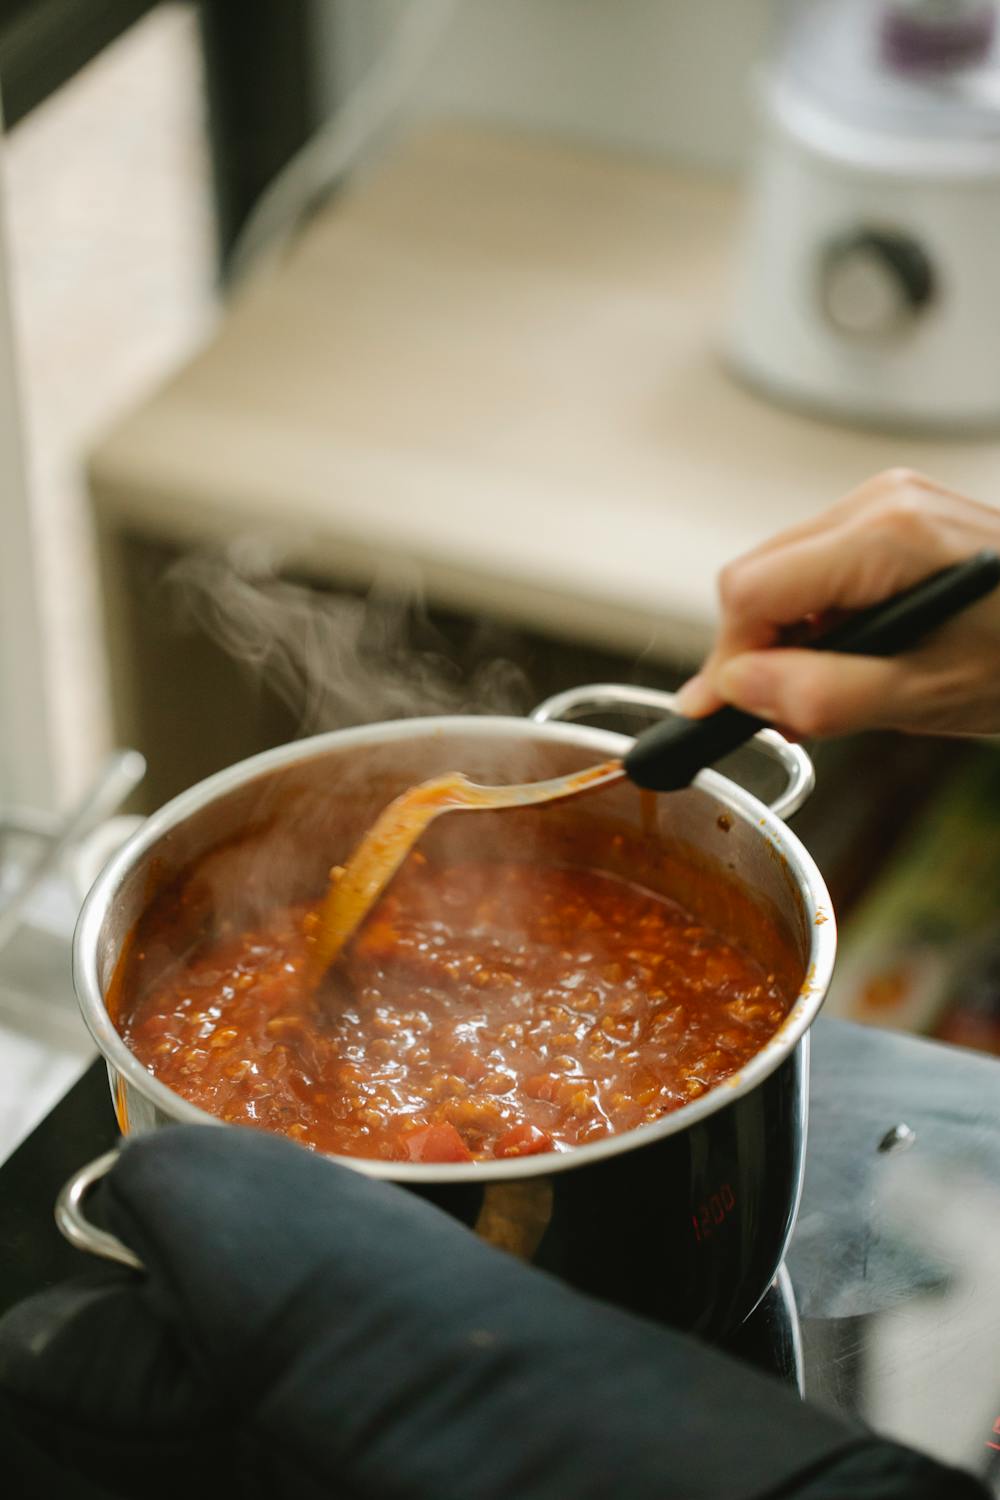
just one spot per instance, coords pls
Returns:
(806, 877)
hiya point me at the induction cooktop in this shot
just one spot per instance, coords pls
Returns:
(888, 1307)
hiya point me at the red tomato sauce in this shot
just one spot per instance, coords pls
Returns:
(485, 1010)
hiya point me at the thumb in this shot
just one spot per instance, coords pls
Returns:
(812, 693)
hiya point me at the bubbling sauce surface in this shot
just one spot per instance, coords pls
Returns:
(485, 1010)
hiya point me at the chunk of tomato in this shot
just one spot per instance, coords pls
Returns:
(433, 1143)
(523, 1140)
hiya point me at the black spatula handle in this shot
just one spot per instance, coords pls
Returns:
(667, 756)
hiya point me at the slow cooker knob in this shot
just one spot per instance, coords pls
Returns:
(874, 282)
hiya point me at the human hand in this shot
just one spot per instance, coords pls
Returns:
(302, 1330)
(893, 531)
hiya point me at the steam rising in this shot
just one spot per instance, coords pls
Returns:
(337, 659)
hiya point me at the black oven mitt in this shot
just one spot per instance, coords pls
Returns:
(304, 1331)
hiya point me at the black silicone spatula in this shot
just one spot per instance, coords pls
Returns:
(667, 756)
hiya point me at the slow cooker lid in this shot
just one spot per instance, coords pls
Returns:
(834, 58)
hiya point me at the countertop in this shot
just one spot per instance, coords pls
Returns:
(491, 367)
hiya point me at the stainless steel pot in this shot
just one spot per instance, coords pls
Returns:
(685, 1219)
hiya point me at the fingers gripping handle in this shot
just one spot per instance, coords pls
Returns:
(667, 756)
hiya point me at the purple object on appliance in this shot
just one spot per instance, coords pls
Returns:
(912, 42)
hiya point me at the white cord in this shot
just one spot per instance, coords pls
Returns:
(364, 116)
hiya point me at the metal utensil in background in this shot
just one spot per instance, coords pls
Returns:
(119, 775)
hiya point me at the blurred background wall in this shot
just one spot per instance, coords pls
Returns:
(642, 74)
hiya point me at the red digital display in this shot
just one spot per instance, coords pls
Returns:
(713, 1212)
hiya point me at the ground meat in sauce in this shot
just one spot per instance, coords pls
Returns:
(484, 1011)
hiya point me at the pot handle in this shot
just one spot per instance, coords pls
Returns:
(578, 702)
(73, 1223)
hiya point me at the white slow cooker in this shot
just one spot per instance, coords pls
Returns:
(867, 277)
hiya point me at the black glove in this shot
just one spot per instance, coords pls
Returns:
(302, 1330)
